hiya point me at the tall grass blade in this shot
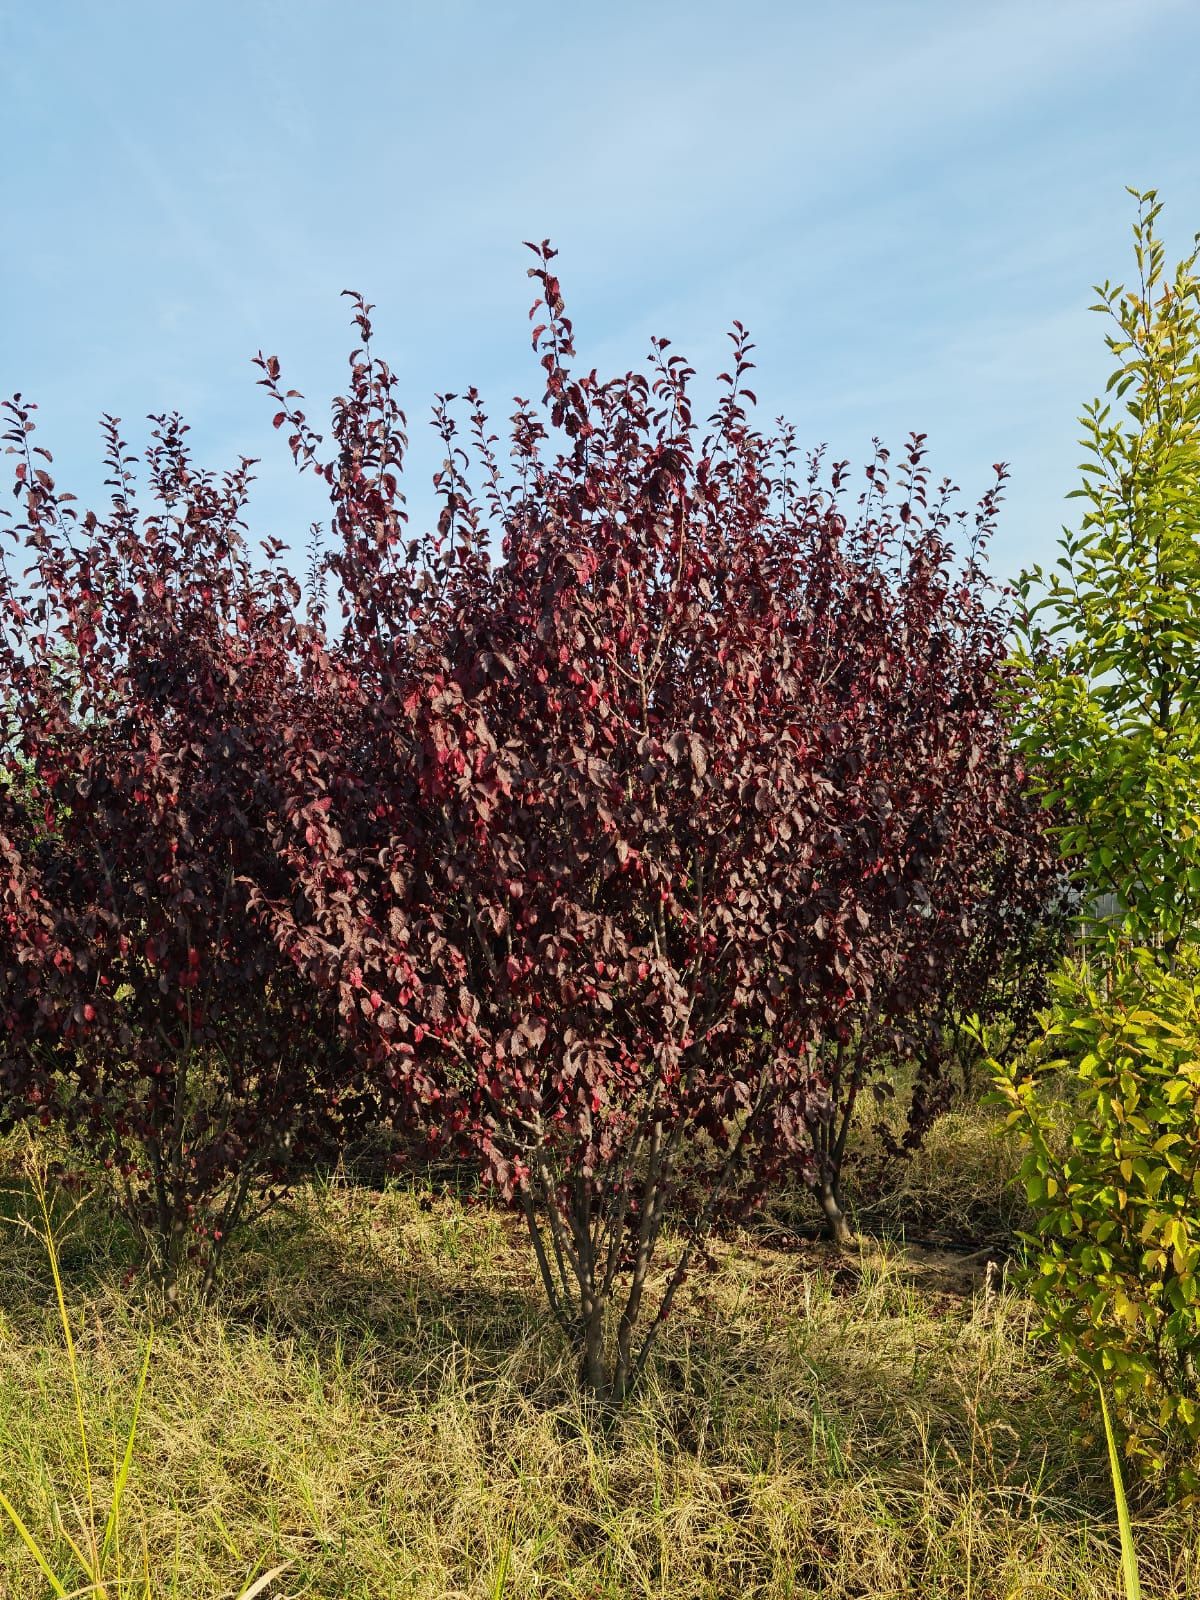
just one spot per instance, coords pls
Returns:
(1129, 1561)
(502, 1573)
(86, 1565)
(31, 1545)
(39, 1183)
(110, 1528)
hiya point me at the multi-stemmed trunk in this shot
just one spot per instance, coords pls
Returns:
(829, 1132)
(583, 1248)
(596, 1250)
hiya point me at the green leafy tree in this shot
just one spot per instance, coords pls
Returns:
(1111, 691)
(1109, 672)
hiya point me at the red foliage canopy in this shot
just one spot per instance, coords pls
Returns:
(663, 766)
(148, 685)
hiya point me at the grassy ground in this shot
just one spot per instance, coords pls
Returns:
(378, 1398)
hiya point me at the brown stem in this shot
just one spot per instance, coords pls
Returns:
(840, 1230)
(561, 1312)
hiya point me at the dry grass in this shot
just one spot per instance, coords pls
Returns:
(378, 1398)
(956, 1188)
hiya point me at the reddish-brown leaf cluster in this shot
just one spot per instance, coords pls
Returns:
(148, 677)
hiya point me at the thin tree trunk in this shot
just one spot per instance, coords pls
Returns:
(840, 1231)
(592, 1346)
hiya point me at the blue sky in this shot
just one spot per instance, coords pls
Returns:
(907, 202)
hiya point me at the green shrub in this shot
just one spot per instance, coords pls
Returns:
(1116, 1197)
(1110, 640)
(1107, 652)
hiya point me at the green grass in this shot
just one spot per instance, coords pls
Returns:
(378, 1399)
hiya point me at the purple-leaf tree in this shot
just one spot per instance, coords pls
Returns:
(149, 687)
(666, 766)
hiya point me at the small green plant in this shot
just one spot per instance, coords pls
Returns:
(98, 1549)
(1116, 1195)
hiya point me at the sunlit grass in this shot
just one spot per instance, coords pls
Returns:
(378, 1399)
(86, 1552)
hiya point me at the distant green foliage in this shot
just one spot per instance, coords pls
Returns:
(1111, 691)
(1117, 1200)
